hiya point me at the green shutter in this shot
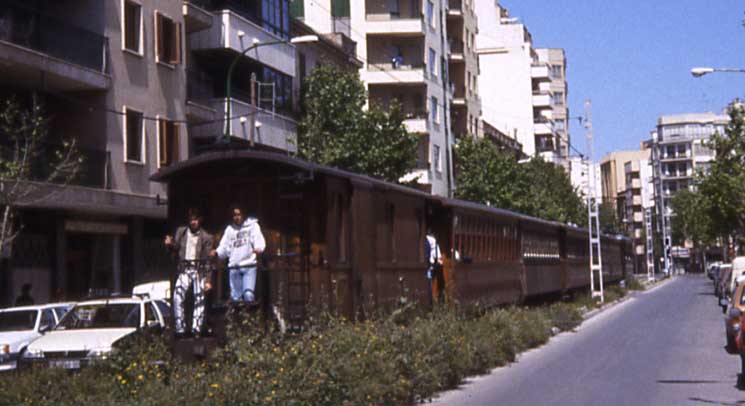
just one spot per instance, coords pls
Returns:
(297, 8)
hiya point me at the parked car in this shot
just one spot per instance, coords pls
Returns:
(736, 307)
(721, 283)
(21, 325)
(738, 270)
(91, 330)
(711, 268)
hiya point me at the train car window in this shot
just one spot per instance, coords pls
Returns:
(390, 221)
(341, 224)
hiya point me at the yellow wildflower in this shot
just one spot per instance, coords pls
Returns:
(215, 385)
(140, 377)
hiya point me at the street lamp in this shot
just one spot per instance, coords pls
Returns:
(698, 72)
(255, 44)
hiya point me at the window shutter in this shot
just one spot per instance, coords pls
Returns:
(162, 145)
(159, 43)
(176, 43)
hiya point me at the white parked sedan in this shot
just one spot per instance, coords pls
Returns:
(21, 325)
(90, 330)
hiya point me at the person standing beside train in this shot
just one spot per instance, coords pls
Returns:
(192, 246)
(241, 243)
(434, 268)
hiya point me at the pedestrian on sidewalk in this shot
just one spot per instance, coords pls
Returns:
(241, 243)
(192, 246)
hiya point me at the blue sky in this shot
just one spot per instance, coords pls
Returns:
(633, 59)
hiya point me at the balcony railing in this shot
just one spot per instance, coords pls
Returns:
(456, 47)
(399, 64)
(30, 28)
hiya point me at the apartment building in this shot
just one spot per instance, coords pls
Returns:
(405, 54)
(580, 172)
(678, 152)
(638, 196)
(110, 75)
(558, 123)
(515, 82)
(463, 69)
(613, 178)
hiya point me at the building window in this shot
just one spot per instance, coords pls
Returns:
(297, 8)
(134, 140)
(168, 142)
(557, 71)
(558, 98)
(132, 26)
(433, 110)
(275, 15)
(431, 13)
(432, 62)
(167, 40)
(436, 158)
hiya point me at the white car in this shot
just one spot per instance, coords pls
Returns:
(21, 325)
(91, 328)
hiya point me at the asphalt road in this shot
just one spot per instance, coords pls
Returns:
(660, 347)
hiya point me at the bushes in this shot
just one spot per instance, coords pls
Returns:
(389, 361)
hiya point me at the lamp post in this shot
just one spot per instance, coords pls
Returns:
(228, 81)
(698, 72)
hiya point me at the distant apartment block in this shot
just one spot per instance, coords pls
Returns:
(559, 117)
(638, 196)
(518, 83)
(679, 150)
(613, 178)
(463, 69)
(580, 171)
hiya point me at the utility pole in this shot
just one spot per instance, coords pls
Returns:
(593, 223)
(252, 127)
(649, 243)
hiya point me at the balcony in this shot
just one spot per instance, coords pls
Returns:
(34, 44)
(417, 122)
(271, 130)
(543, 126)
(541, 72)
(542, 100)
(636, 200)
(455, 9)
(394, 25)
(196, 16)
(390, 73)
(232, 30)
(636, 183)
(456, 51)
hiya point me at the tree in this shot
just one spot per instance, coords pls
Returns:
(689, 221)
(724, 185)
(607, 218)
(537, 188)
(337, 130)
(28, 162)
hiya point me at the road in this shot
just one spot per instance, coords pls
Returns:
(660, 347)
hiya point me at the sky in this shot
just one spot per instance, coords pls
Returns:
(633, 59)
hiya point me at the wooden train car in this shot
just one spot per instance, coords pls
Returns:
(350, 243)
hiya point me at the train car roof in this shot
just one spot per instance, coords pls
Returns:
(182, 167)
(221, 156)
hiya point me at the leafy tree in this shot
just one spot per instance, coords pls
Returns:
(609, 222)
(337, 130)
(724, 185)
(487, 175)
(689, 221)
(28, 164)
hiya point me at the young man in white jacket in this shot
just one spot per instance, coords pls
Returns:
(241, 243)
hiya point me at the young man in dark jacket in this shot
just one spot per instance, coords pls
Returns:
(192, 246)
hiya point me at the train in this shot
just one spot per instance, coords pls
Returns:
(350, 243)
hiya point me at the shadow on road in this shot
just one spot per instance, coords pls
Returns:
(716, 402)
(681, 381)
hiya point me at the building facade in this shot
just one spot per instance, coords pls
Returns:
(463, 69)
(139, 86)
(637, 198)
(678, 151)
(580, 171)
(518, 82)
(559, 117)
(613, 178)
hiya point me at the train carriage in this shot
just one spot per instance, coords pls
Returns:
(350, 243)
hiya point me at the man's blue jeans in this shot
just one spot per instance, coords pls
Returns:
(243, 283)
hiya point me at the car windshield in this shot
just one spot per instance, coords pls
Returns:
(102, 315)
(18, 320)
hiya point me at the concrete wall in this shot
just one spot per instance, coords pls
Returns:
(140, 83)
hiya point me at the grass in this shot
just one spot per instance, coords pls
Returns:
(399, 359)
